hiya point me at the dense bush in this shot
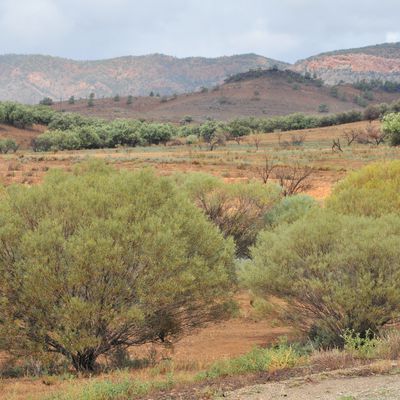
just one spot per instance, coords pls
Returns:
(334, 272)
(237, 209)
(8, 146)
(290, 209)
(391, 126)
(133, 133)
(100, 259)
(16, 114)
(372, 191)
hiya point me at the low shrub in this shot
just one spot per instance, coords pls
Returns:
(258, 360)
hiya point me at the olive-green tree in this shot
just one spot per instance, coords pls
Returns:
(334, 272)
(100, 259)
(391, 126)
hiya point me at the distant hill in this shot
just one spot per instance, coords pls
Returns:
(29, 78)
(257, 93)
(373, 62)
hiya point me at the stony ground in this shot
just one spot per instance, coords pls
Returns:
(344, 388)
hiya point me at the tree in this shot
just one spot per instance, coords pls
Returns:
(46, 101)
(293, 179)
(372, 191)
(129, 100)
(334, 92)
(323, 108)
(213, 134)
(71, 100)
(100, 259)
(7, 146)
(351, 135)
(117, 98)
(372, 112)
(391, 126)
(91, 100)
(237, 130)
(333, 272)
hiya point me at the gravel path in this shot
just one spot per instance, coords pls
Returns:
(357, 388)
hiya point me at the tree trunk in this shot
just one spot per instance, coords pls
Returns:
(84, 361)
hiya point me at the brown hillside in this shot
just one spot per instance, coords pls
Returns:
(29, 78)
(275, 93)
(23, 137)
(372, 62)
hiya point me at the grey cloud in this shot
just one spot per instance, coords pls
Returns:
(284, 29)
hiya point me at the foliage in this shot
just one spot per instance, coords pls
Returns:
(16, 114)
(124, 389)
(156, 133)
(46, 101)
(99, 259)
(237, 209)
(8, 146)
(258, 360)
(363, 346)
(290, 209)
(372, 191)
(323, 108)
(334, 272)
(391, 126)
(212, 133)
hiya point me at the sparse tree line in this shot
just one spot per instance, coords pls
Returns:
(69, 131)
(99, 260)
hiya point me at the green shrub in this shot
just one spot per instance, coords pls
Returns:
(8, 146)
(323, 108)
(46, 101)
(373, 191)
(258, 360)
(237, 209)
(100, 259)
(391, 126)
(124, 389)
(334, 272)
(290, 209)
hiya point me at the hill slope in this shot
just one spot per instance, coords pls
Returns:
(372, 62)
(29, 78)
(255, 94)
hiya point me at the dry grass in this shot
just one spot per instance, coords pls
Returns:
(233, 162)
(333, 359)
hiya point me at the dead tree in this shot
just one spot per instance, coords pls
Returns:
(374, 135)
(256, 139)
(293, 179)
(265, 171)
(351, 135)
(336, 146)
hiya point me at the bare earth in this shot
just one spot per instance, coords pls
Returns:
(385, 387)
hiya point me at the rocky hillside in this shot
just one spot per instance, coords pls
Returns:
(29, 78)
(372, 62)
(260, 93)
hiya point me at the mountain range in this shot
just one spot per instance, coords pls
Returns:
(29, 78)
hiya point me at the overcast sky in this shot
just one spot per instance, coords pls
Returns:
(282, 29)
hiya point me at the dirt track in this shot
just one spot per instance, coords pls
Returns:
(355, 388)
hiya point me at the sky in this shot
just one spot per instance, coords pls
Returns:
(285, 30)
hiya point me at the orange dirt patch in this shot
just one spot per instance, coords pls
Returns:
(23, 137)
